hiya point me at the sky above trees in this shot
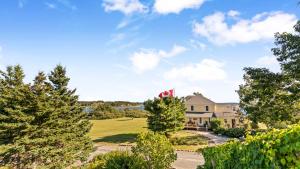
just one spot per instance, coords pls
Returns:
(134, 49)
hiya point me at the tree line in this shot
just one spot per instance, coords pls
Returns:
(100, 111)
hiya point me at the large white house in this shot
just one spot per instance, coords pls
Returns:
(200, 110)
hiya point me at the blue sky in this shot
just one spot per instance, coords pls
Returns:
(133, 49)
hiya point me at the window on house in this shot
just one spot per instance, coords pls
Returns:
(225, 120)
(233, 108)
(209, 119)
(206, 108)
(200, 120)
(192, 108)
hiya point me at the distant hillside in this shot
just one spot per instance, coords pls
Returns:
(112, 103)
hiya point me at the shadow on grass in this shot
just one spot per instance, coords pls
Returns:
(118, 138)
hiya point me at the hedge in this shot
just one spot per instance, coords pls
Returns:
(274, 149)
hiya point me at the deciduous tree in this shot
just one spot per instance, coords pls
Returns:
(270, 97)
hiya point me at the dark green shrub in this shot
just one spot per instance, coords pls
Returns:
(275, 149)
(235, 132)
(220, 131)
(231, 132)
(117, 160)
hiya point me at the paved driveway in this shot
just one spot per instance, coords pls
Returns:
(188, 160)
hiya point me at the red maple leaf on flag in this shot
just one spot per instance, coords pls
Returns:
(167, 93)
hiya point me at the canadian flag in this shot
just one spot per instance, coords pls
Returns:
(167, 93)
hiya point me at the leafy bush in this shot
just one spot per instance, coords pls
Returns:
(275, 149)
(215, 124)
(155, 149)
(117, 160)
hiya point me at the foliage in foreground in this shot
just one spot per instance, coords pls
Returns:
(166, 115)
(275, 149)
(156, 150)
(117, 160)
(41, 124)
(269, 97)
(152, 151)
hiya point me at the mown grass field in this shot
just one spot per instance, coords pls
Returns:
(117, 131)
(125, 131)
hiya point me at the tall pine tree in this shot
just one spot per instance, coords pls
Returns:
(67, 124)
(15, 113)
(53, 132)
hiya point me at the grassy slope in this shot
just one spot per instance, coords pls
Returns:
(116, 131)
(125, 130)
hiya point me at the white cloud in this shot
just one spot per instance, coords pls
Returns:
(175, 6)
(207, 69)
(176, 50)
(233, 13)
(125, 6)
(144, 60)
(148, 59)
(260, 27)
(267, 61)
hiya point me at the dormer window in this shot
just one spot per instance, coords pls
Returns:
(206, 108)
(192, 108)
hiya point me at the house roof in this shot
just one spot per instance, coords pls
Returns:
(231, 103)
(198, 95)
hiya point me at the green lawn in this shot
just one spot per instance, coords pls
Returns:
(188, 140)
(125, 130)
(117, 131)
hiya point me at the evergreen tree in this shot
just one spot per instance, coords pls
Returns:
(67, 126)
(55, 134)
(15, 113)
(166, 115)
